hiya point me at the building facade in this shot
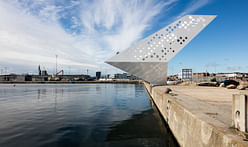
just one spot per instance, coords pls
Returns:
(98, 75)
(186, 74)
(148, 59)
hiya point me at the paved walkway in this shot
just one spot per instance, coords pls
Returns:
(210, 104)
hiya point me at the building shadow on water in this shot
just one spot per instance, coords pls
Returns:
(144, 129)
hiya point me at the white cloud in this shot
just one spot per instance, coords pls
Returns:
(121, 22)
(24, 38)
(31, 32)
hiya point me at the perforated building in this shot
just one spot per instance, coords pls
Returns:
(148, 59)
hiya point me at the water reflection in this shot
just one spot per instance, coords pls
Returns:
(141, 130)
(79, 115)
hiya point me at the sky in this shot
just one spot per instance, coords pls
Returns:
(85, 33)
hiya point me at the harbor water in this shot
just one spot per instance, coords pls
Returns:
(87, 115)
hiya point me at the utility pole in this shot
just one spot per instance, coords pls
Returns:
(215, 68)
(56, 64)
(87, 72)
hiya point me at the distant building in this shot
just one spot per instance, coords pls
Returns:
(107, 76)
(231, 75)
(28, 77)
(172, 77)
(186, 74)
(44, 73)
(15, 78)
(39, 78)
(202, 74)
(220, 75)
(39, 70)
(98, 75)
(132, 77)
(121, 76)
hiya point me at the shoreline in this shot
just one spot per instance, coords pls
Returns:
(73, 82)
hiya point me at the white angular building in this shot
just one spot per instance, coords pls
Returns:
(148, 59)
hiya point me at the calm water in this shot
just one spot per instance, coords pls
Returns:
(80, 115)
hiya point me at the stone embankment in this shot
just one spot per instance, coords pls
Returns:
(198, 116)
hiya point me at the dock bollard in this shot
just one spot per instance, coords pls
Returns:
(239, 112)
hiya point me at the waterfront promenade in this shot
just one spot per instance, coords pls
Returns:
(199, 116)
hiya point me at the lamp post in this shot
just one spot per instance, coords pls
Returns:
(56, 64)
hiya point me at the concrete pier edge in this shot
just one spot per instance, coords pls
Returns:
(190, 129)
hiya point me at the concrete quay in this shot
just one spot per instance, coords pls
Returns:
(199, 116)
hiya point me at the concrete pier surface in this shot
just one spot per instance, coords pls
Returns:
(199, 116)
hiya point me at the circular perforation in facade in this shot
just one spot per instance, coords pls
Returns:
(168, 37)
(170, 29)
(182, 39)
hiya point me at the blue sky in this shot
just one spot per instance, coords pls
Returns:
(84, 33)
